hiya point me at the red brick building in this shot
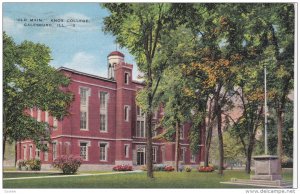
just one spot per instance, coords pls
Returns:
(105, 127)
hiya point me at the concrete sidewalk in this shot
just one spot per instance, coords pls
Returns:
(79, 175)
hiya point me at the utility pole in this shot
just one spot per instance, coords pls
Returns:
(266, 110)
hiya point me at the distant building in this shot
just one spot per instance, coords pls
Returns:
(105, 126)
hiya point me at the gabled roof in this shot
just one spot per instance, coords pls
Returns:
(85, 74)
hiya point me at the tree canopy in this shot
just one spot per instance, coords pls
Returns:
(30, 82)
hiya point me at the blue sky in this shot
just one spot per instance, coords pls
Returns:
(84, 47)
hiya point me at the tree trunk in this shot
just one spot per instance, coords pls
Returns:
(177, 146)
(149, 161)
(16, 153)
(208, 137)
(207, 146)
(249, 154)
(279, 134)
(3, 149)
(220, 137)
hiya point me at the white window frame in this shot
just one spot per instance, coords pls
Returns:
(88, 144)
(83, 126)
(104, 110)
(193, 158)
(47, 117)
(25, 152)
(126, 113)
(30, 151)
(54, 149)
(46, 154)
(126, 77)
(85, 107)
(105, 151)
(31, 112)
(55, 123)
(154, 130)
(182, 154)
(38, 115)
(181, 132)
(140, 118)
(126, 149)
(154, 153)
(37, 153)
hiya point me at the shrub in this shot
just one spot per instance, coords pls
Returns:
(122, 168)
(206, 169)
(34, 164)
(68, 164)
(188, 169)
(20, 164)
(159, 167)
(144, 168)
(169, 168)
(287, 164)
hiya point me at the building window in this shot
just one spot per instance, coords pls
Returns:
(140, 129)
(102, 122)
(126, 113)
(38, 115)
(193, 158)
(154, 129)
(54, 122)
(31, 112)
(138, 111)
(126, 78)
(103, 151)
(181, 132)
(182, 154)
(46, 117)
(83, 151)
(84, 93)
(24, 153)
(30, 152)
(83, 120)
(140, 123)
(103, 100)
(154, 154)
(54, 150)
(83, 96)
(37, 153)
(46, 154)
(126, 151)
(103, 111)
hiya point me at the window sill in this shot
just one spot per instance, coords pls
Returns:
(84, 129)
(103, 131)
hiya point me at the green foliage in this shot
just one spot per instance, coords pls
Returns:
(34, 164)
(29, 81)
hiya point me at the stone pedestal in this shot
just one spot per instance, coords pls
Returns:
(267, 167)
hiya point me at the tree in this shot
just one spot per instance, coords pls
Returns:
(143, 30)
(30, 82)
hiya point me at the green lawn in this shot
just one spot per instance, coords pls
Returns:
(136, 180)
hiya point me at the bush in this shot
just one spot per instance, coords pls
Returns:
(68, 164)
(188, 169)
(34, 164)
(20, 164)
(169, 168)
(144, 168)
(159, 167)
(206, 169)
(287, 164)
(122, 168)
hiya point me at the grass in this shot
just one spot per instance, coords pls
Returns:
(136, 180)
